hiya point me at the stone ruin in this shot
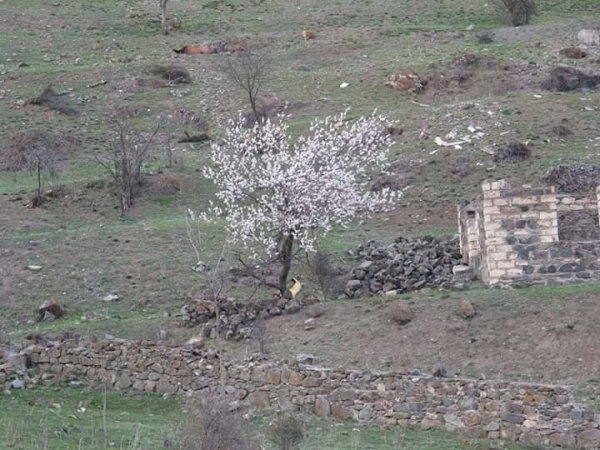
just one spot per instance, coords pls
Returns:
(531, 235)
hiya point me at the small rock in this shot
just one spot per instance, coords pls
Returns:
(401, 312)
(310, 324)
(305, 358)
(308, 35)
(34, 268)
(315, 311)
(110, 298)
(50, 310)
(589, 37)
(466, 309)
(17, 384)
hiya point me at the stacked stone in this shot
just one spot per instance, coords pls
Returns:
(519, 236)
(405, 265)
(529, 413)
(235, 318)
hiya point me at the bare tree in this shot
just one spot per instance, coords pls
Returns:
(130, 150)
(163, 16)
(519, 12)
(249, 72)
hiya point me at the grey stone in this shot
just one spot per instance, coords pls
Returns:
(17, 384)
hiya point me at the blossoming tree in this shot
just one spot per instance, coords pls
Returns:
(276, 193)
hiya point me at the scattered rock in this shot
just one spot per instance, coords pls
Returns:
(511, 153)
(401, 312)
(405, 265)
(314, 311)
(305, 358)
(17, 384)
(110, 298)
(589, 37)
(406, 81)
(310, 324)
(466, 309)
(573, 52)
(50, 310)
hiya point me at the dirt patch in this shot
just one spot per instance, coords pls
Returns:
(174, 74)
(550, 339)
(578, 178)
(566, 79)
(573, 53)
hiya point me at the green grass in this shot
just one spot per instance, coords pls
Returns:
(66, 418)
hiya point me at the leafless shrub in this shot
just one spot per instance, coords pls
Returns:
(215, 424)
(130, 151)
(518, 12)
(324, 272)
(287, 431)
(249, 71)
(511, 153)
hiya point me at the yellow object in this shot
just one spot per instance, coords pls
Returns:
(295, 288)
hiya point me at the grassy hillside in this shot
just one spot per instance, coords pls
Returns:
(96, 55)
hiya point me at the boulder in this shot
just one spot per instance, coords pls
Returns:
(53, 308)
(589, 37)
(467, 311)
(401, 312)
(573, 53)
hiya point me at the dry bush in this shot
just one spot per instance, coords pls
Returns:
(54, 101)
(518, 12)
(37, 151)
(215, 424)
(324, 273)
(287, 431)
(511, 153)
(131, 149)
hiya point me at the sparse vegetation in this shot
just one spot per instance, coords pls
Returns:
(519, 12)
(485, 82)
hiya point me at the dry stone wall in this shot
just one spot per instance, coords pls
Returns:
(533, 414)
(514, 236)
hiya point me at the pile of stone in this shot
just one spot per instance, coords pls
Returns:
(405, 265)
(236, 318)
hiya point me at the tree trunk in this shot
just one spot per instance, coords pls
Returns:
(285, 256)
(163, 17)
(39, 177)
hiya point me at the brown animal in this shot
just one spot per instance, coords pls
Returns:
(308, 35)
(195, 50)
(406, 81)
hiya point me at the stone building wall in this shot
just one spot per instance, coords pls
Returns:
(533, 414)
(530, 235)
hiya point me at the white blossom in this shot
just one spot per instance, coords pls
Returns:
(270, 186)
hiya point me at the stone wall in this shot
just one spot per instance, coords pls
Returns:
(514, 236)
(533, 414)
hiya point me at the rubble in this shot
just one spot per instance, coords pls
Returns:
(405, 265)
